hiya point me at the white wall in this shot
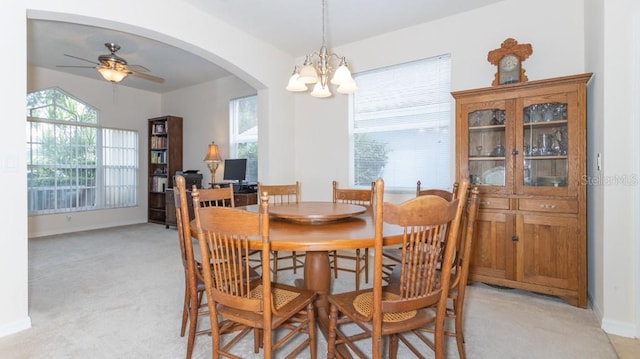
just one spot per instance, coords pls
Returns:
(205, 112)
(14, 311)
(620, 153)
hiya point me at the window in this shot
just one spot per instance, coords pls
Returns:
(243, 136)
(400, 125)
(73, 164)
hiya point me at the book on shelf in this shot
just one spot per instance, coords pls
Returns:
(158, 142)
(158, 184)
(158, 157)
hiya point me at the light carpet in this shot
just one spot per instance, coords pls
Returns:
(117, 293)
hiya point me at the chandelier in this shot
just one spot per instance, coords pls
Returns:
(318, 68)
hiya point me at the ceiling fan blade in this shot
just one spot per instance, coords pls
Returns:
(147, 77)
(137, 68)
(80, 58)
(82, 67)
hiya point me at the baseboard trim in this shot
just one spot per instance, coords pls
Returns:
(17, 326)
(623, 329)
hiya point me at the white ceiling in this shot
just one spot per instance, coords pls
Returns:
(272, 21)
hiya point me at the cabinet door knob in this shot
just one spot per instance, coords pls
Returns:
(515, 238)
(514, 152)
(548, 206)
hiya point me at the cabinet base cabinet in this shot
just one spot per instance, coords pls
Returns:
(524, 146)
(492, 254)
(530, 251)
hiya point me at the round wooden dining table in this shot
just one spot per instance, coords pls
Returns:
(320, 236)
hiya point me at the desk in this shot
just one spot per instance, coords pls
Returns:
(239, 199)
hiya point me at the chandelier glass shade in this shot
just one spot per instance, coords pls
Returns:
(112, 75)
(318, 68)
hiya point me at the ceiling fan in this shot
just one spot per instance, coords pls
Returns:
(114, 68)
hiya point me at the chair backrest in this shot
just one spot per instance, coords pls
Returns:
(465, 242)
(437, 192)
(281, 193)
(216, 197)
(184, 234)
(224, 235)
(362, 197)
(449, 196)
(430, 228)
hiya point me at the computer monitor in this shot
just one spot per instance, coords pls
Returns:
(235, 170)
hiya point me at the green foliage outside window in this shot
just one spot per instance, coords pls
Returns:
(370, 157)
(64, 157)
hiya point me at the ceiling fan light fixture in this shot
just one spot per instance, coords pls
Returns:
(112, 75)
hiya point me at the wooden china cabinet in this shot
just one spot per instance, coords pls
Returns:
(524, 145)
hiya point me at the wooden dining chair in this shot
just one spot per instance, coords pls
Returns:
(392, 256)
(362, 197)
(224, 197)
(193, 307)
(283, 194)
(430, 225)
(237, 304)
(217, 197)
(459, 279)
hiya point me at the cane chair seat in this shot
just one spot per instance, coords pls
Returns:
(363, 304)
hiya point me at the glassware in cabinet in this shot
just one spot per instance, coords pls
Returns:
(486, 152)
(545, 145)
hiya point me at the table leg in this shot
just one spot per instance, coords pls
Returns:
(317, 277)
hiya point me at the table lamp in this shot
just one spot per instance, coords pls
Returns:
(212, 159)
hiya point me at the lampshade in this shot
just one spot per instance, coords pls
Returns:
(112, 75)
(320, 91)
(212, 154)
(342, 74)
(295, 85)
(308, 74)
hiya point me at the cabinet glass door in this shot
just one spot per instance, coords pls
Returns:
(545, 144)
(487, 147)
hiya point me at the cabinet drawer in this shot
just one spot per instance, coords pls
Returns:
(548, 205)
(494, 203)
